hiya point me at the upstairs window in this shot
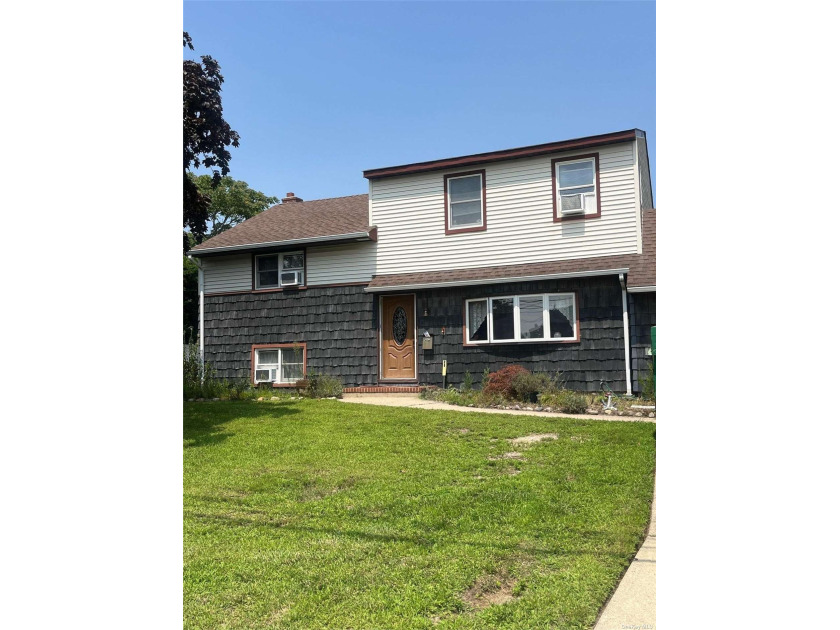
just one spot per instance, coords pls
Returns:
(522, 318)
(465, 202)
(575, 188)
(279, 270)
(280, 364)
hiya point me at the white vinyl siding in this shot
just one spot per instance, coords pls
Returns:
(331, 264)
(409, 213)
(336, 264)
(227, 273)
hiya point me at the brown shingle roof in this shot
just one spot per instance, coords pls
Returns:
(296, 221)
(642, 267)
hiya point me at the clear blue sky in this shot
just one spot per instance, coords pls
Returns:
(320, 91)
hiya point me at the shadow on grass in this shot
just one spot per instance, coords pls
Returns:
(205, 423)
(424, 541)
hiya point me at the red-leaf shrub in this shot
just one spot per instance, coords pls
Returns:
(501, 382)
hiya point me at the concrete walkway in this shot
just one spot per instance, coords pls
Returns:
(414, 400)
(633, 605)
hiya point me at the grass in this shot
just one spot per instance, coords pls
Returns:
(323, 514)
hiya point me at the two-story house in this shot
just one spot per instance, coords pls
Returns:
(542, 256)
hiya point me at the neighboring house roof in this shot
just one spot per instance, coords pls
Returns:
(640, 269)
(506, 154)
(297, 222)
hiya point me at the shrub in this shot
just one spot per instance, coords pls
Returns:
(485, 378)
(467, 385)
(501, 382)
(565, 400)
(649, 383)
(199, 378)
(526, 386)
(323, 386)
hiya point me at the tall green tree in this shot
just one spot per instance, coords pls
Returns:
(231, 201)
(207, 136)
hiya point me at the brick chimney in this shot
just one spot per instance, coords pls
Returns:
(290, 197)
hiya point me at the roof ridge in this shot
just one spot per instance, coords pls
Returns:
(322, 199)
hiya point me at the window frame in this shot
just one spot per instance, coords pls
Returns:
(255, 348)
(555, 197)
(516, 319)
(447, 204)
(255, 274)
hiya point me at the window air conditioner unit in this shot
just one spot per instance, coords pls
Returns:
(290, 278)
(571, 204)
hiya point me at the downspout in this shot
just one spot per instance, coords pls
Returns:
(200, 309)
(623, 280)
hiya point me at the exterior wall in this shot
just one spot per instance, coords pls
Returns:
(329, 264)
(598, 355)
(337, 324)
(642, 307)
(409, 214)
(332, 264)
(227, 273)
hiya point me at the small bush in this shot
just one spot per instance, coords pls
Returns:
(501, 382)
(467, 385)
(566, 401)
(323, 386)
(649, 383)
(485, 378)
(526, 386)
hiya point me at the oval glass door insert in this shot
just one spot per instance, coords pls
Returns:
(400, 325)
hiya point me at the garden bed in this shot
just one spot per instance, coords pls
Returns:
(515, 388)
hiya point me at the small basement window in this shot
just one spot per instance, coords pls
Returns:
(280, 364)
(464, 202)
(279, 270)
(522, 318)
(576, 185)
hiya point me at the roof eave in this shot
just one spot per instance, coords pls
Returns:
(334, 239)
(505, 154)
(520, 278)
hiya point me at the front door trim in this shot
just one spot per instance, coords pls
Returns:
(379, 360)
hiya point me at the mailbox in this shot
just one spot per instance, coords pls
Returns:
(427, 343)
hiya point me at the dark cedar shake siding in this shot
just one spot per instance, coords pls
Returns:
(340, 328)
(642, 308)
(336, 323)
(598, 355)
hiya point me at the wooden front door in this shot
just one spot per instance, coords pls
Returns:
(398, 337)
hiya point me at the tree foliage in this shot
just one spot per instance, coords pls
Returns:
(206, 136)
(231, 201)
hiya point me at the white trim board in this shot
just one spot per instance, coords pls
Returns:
(362, 236)
(462, 283)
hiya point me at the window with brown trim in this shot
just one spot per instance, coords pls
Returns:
(576, 185)
(285, 269)
(522, 318)
(465, 200)
(278, 364)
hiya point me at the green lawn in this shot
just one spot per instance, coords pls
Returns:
(323, 514)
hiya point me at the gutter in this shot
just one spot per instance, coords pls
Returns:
(462, 283)
(650, 289)
(358, 236)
